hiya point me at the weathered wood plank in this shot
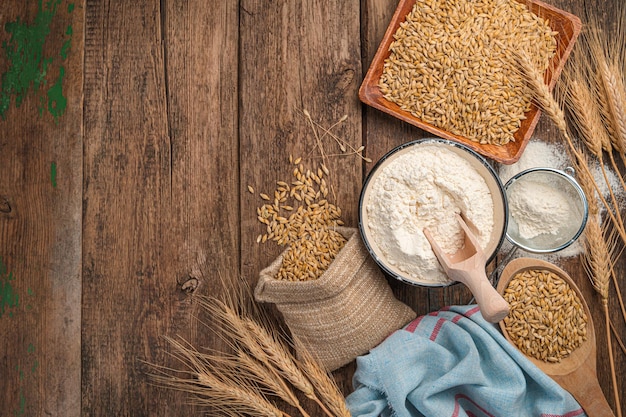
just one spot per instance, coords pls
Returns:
(202, 98)
(40, 207)
(127, 277)
(160, 213)
(296, 56)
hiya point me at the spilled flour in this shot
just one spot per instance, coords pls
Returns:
(426, 187)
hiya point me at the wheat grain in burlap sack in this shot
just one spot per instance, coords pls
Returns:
(344, 313)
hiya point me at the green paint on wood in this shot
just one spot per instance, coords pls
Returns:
(30, 293)
(25, 379)
(66, 45)
(8, 296)
(70, 7)
(28, 65)
(22, 405)
(53, 174)
(56, 100)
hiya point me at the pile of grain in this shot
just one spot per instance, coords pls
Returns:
(451, 65)
(547, 320)
(309, 230)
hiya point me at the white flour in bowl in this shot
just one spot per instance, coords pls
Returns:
(539, 208)
(425, 188)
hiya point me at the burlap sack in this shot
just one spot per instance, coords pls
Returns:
(342, 314)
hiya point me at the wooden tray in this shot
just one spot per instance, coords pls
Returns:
(568, 27)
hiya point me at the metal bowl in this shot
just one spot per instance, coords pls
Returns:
(557, 182)
(478, 163)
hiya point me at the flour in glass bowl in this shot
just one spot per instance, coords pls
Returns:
(426, 187)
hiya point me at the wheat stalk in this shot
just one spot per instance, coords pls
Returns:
(585, 103)
(260, 366)
(597, 259)
(597, 255)
(586, 183)
(264, 346)
(617, 337)
(259, 343)
(276, 354)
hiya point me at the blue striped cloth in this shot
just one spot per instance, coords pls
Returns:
(453, 363)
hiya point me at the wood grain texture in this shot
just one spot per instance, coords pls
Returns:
(160, 213)
(40, 209)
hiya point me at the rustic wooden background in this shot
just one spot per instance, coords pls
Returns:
(126, 148)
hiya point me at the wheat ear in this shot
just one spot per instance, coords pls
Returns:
(231, 401)
(584, 111)
(250, 369)
(603, 56)
(264, 346)
(324, 384)
(235, 399)
(612, 95)
(277, 354)
(544, 99)
(264, 376)
(260, 344)
(589, 123)
(586, 183)
(228, 393)
(597, 258)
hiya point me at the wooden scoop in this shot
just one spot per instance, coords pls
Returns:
(467, 265)
(576, 373)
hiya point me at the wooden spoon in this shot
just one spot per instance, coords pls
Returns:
(577, 372)
(467, 265)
